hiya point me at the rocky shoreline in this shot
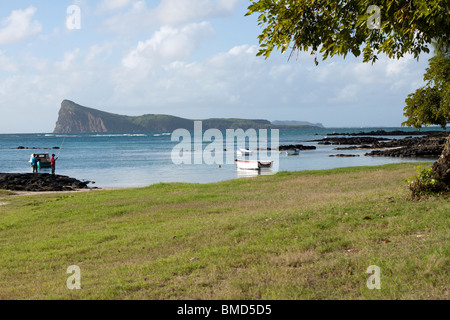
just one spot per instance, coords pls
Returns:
(387, 133)
(38, 182)
(350, 141)
(426, 147)
(429, 145)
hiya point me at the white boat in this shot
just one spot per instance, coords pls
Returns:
(253, 164)
(293, 152)
(244, 152)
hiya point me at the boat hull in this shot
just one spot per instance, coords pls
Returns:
(293, 152)
(253, 164)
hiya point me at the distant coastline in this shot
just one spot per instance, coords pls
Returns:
(327, 131)
(74, 118)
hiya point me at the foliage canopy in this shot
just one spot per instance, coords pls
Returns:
(336, 27)
(431, 103)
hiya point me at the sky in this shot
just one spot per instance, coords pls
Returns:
(189, 58)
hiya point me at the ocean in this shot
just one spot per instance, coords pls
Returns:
(125, 160)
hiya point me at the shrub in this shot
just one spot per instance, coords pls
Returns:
(425, 184)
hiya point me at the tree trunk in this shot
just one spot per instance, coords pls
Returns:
(441, 167)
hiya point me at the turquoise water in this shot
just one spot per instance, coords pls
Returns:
(137, 160)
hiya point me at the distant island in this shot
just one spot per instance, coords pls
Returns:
(297, 124)
(74, 118)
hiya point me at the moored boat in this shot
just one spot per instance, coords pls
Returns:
(43, 160)
(253, 164)
(293, 152)
(244, 152)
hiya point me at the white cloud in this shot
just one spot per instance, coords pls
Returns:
(98, 53)
(168, 44)
(67, 63)
(19, 26)
(181, 11)
(347, 94)
(243, 49)
(110, 5)
(173, 13)
(7, 64)
(136, 17)
(230, 79)
(396, 67)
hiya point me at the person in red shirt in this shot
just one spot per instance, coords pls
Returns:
(53, 163)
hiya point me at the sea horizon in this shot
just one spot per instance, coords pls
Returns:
(400, 128)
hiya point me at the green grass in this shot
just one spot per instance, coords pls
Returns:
(294, 235)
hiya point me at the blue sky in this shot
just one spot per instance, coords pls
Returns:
(189, 58)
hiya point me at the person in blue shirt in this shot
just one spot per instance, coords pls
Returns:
(34, 163)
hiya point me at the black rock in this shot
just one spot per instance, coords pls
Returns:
(350, 141)
(297, 146)
(355, 147)
(344, 155)
(409, 152)
(39, 182)
(389, 133)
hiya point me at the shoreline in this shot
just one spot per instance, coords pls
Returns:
(96, 189)
(42, 193)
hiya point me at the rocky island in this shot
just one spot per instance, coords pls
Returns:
(74, 118)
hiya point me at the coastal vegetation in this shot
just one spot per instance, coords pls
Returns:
(293, 235)
(424, 184)
(74, 118)
(431, 103)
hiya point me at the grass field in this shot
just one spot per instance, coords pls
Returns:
(302, 235)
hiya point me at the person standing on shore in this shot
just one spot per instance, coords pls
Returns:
(53, 163)
(34, 163)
